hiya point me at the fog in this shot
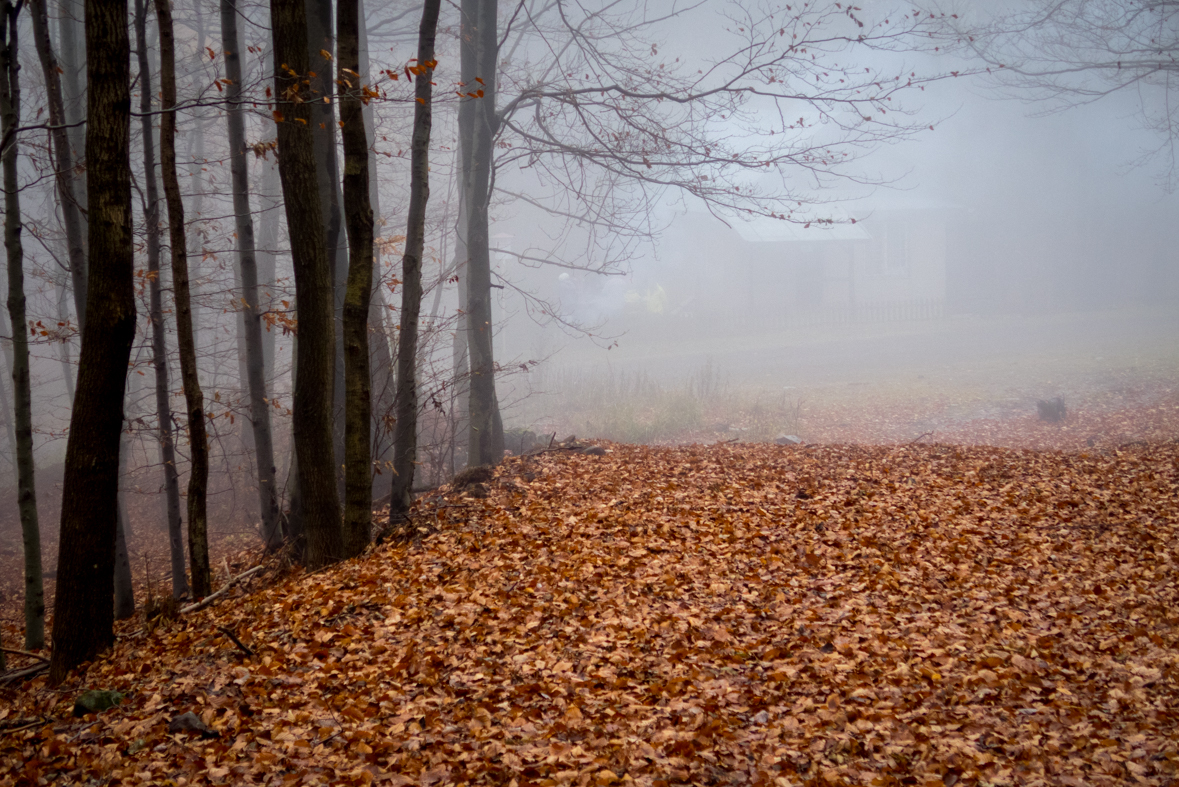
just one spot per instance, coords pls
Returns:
(1006, 255)
(1010, 254)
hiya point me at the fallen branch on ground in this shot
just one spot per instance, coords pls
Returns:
(28, 672)
(15, 652)
(236, 641)
(209, 599)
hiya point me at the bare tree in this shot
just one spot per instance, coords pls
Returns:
(198, 479)
(151, 220)
(314, 449)
(65, 173)
(124, 585)
(405, 444)
(21, 387)
(380, 357)
(83, 620)
(247, 263)
(1064, 53)
(478, 125)
(575, 111)
(320, 49)
(358, 212)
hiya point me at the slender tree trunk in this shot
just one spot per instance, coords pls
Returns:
(21, 388)
(63, 159)
(198, 535)
(358, 482)
(405, 440)
(83, 617)
(468, 65)
(383, 384)
(124, 589)
(314, 449)
(72, 54)
(7, 414)
(323, 129)
(196, 166)
(484, 447)
(63, 348)
(459, 413)
(151, 217)
(380, 357)
(271, 199)
(251, 314)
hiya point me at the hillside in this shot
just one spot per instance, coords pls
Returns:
(726, 614)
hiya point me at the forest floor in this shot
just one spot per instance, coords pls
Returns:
(936, 588)
(915, 613)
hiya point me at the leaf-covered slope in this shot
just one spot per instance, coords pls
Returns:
(727, 614)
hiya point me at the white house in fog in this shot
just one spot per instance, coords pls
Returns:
(894, 258)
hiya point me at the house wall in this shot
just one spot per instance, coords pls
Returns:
(711, 267)
(904, 261)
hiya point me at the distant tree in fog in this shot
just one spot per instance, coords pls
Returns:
(1065, 53)
(198, 478)
(255, 362)
(578, 110)
(151, 221)
(22, 390)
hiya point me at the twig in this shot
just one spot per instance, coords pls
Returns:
(919, 437)
(25, 653)
(209, 599)
(28, 725)
(28, 672)
(236, 641)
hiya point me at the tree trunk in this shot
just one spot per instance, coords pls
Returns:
(380, 357)
(323, 130)
(6, 414)
(468, 65)
(271, 199)
(312, 419)
(459, 413)
(151, 218)
(72, 56)
(461, 408)
(198, 536)
(63, 159)
(124, 588)
(244, 222)
(405, 435)
(21, 387)
(83, 618)
(358, 486)
(63, 348)
(484, 447)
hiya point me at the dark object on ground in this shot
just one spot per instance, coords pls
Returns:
(592, 450)
(788, 439)
(1053, 411)
(190, 722)
(96, 701)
